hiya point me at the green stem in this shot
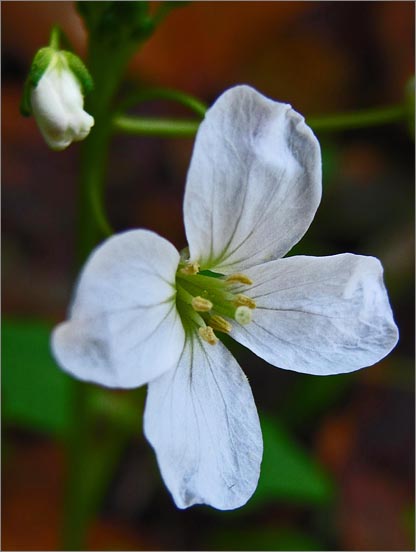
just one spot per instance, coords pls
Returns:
(155, 127)
(146, 126)
(194, 104)
(74, 527)
(358, 119)
(87, 470)
(54, 39)
(79, 503)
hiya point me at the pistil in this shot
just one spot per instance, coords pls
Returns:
(243, 315)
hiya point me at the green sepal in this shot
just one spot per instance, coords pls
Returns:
(39, 65)
(80, 71)
(25, 106)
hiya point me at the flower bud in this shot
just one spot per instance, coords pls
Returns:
(54, 94)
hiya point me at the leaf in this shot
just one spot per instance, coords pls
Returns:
(35, 392)
(288, 473)
(312, 396)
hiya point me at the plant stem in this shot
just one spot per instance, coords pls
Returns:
(169, 94)
(79, 504)
(155, 127)
(146, 126)
(358, 119)
(54, 37)
(87, 473)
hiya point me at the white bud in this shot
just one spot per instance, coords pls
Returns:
(57, 104)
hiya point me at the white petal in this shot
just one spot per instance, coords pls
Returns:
(322, 316)
(73, 101)
(254, 182)
(124, 329)
(49, 112)
(203, 424)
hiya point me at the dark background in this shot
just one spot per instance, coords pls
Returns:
(340, 466)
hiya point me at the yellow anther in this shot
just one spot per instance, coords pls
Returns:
(220, 324)
(190, 269)
(239, 278)
(208, 335)
(244, 301)
(201, 305)
(243, 315)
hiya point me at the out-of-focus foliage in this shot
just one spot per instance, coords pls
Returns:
(312, 396)
(117, 22)
(35, 393)
(287, 471)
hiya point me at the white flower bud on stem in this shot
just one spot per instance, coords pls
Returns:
(54, 94)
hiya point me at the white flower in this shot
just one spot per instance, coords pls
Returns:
(144, 314)
(57, 104)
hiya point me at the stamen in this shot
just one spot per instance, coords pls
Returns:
(201, 305)
(220, 324)
(208, 335)
(243, 315)
(239, 278)
(244, 301)
(211, 302)
(190, 269)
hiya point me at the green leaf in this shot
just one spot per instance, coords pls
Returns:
(288, 472)
(312, 396)
(35, 392)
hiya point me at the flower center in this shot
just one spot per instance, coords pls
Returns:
(209, 300)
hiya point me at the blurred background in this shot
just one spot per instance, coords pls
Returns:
(338, 469)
